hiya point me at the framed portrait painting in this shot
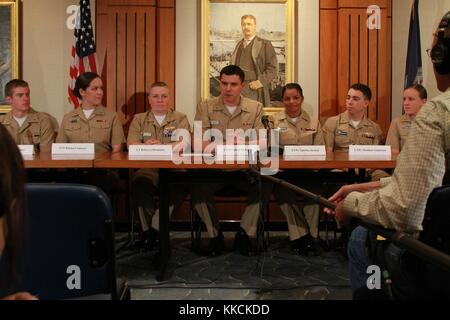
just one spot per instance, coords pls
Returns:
(9, 47)
(256, 35)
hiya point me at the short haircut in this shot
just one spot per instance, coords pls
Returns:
(158, 84)
(231, 70)
(295, 86)
(420, 89)
(83, 81)
(364, 89)
(248, 16)
(14, 83)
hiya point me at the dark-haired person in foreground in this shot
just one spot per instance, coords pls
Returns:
(12, 212)
(398, 202)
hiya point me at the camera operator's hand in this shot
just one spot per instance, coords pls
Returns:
(340, 215)
(342, 193)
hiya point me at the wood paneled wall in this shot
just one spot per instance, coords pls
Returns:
(136, 46)
(350, 53)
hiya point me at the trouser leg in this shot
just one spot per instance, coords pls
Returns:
(144, 187)
(176, 197)
(358, 259)
(252, 212)
(205, 206)
(297, 224)
(311, 212)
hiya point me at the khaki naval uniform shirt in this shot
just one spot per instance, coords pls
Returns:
(398, 132)
(339, 133)
(304, 131)
(214, 115)
(37, 130)
(145, 127)
(400, 203)
(102, 128)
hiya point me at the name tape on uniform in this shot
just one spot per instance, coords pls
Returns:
(150, 152)
(369, 152)
(291, 151)
(26, 149)
(73, 148)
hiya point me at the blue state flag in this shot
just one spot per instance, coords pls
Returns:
(413, 73)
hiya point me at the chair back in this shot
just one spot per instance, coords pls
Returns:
(436, 233)
(70, 252)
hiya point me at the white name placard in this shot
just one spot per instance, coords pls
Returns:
(369, 152)
(290, 151)
(26, 149)
(237, 152)
(73, 148)
(150, 151)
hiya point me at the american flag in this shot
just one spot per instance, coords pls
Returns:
(83, 51)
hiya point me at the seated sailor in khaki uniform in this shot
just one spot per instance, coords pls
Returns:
(156, 126)
(93, 123)
(26, 125)
(414, 98)
(229, 111)
(352, 126)
(296, 127)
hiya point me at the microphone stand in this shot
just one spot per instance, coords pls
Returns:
(265, 122)
(401, 239)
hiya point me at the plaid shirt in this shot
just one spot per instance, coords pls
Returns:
(400, 203)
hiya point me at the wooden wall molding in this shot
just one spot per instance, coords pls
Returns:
(350, 53)
(136, 46)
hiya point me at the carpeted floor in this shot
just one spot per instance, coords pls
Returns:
(275, 274)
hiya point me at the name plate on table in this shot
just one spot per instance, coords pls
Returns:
(237, 153)
(26, 149)
(363, 152)
(290, 151)
(150, 152)
(73, 148)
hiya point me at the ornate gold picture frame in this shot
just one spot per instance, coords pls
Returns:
(222, 34)
(9, 47)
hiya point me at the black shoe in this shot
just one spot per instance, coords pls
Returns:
(305, 246)
(150, 239)
(216, 245)
(242, 243)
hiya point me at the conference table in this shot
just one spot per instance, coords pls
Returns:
(171, 171)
